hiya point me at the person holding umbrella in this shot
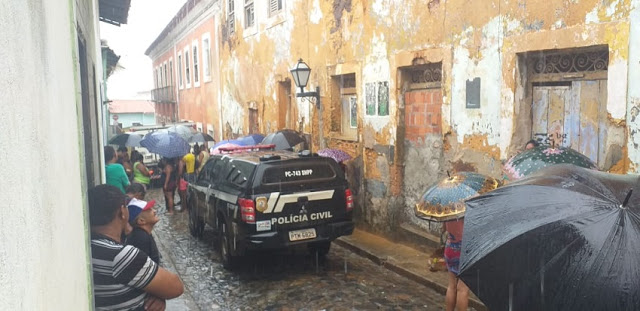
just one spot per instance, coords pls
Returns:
(444, 202)
(457, 297)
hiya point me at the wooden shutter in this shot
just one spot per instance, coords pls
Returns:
(274, 6)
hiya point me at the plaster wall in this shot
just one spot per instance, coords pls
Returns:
(44, 233)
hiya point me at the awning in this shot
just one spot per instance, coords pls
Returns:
(114, 12)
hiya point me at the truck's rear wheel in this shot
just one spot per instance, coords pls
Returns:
(322, 248)
(225, 243)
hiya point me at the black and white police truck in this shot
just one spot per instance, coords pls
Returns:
(259, 199)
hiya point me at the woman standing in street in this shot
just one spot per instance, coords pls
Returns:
(141, 174)
(169, 183)
(457, 298)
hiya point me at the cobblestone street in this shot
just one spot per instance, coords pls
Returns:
(282, 280)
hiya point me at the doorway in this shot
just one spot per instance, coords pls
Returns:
(569, 99)
(284, 105)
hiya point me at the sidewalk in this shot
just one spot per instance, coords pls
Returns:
(404, 260)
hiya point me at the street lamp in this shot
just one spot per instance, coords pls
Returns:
(301, 73)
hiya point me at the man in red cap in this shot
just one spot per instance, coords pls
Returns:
(142, 218)
(124, 278)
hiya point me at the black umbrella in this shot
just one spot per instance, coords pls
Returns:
(126, 139)
(283, 139)
(564, 238)
(201, 138)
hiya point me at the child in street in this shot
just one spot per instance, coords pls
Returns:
(142, 218)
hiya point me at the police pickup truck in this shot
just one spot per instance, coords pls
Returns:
(265, 199)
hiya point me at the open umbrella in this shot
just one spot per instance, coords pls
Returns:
(200, 138)
(530, 161)
(336, 154)
(186, 132)
(126, 139)
(564, 238)
(444, 200)
(283, 139)
(251, 139)
(166, 144)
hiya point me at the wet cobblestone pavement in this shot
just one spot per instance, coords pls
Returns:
(285, 280)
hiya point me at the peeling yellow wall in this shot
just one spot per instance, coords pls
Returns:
(375, 39)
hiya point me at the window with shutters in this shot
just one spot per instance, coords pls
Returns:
(275, 7)
(164, 75)
(249, 16)
(180, 70)
(196, 72)
(231, 20)
(206, 57)
(187, 68)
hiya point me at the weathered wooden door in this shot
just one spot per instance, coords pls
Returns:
(253, 121)
(572, 114)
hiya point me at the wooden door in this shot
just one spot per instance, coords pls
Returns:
(572, 114)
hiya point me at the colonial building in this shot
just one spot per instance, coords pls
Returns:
(414, 88)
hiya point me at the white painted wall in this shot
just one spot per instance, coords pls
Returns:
(633, 89)
(43, 235)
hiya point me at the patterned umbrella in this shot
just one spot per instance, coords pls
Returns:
(126, 139)
(336, 154)
(534, 159)
(166, 144)
(444, 201)
(200, 138)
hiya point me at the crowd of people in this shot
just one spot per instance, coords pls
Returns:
(123, 169)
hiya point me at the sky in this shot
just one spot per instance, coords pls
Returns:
(147, 18)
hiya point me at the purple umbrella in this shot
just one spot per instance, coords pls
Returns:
(336, 154)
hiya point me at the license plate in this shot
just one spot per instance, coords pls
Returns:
(303, 234)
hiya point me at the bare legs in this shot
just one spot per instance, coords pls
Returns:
(168, 199)
(457, 298)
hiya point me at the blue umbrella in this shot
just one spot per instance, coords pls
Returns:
(166, 144)
(251, 140)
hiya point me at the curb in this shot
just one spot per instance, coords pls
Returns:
(391, 266)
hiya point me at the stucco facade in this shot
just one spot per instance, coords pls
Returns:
(413, 88)
(51, 136)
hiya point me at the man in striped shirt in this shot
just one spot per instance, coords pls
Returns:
(124, 278)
